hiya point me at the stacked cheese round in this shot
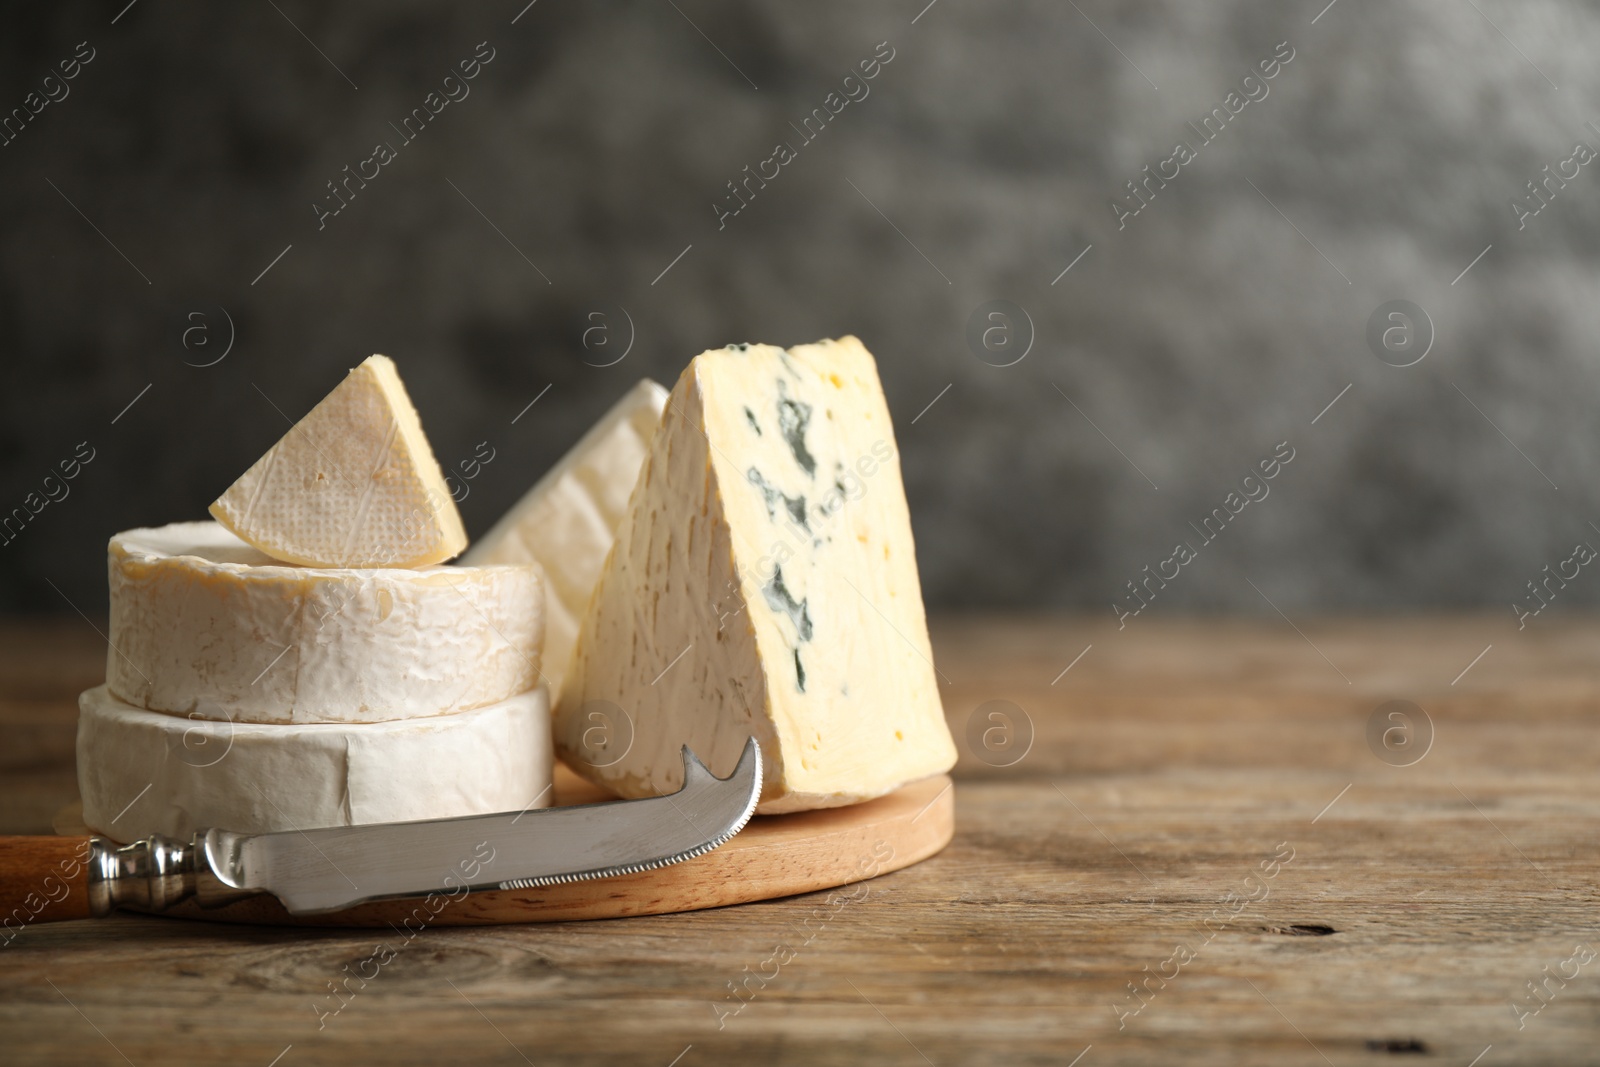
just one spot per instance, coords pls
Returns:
(203, 623)
(148, 772)
(252, 695)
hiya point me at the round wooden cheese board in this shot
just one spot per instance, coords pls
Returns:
(774, 856)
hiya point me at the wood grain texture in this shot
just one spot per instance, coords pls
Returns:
(773, 856)
(42, 880)
(1172, 766)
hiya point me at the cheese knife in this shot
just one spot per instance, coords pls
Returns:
(45, 879)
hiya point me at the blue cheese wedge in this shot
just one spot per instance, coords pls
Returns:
(764, 582)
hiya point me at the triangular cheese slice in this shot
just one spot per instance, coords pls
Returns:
(565, 524)
(353, 484)
(764, 583)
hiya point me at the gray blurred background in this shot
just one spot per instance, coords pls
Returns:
(145, 210)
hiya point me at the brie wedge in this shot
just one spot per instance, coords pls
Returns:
(565, 524)
(764, 582)
(203, 623)
(353, 484)
(144, 772)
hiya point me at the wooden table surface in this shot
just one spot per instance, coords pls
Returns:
(1200, 813)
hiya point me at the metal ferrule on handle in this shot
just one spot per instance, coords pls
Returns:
(152, 875)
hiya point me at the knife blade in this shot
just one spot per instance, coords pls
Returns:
(328, 869)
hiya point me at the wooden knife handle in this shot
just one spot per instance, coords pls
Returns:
(43, 879)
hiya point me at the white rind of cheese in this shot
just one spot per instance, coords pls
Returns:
(353, 484)
(764, 583)
(142, 772)
(203, 623)
(566, 523)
